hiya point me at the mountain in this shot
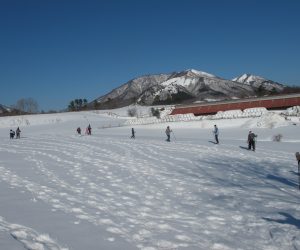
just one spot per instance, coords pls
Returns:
(129, 92)
(184, 87)
(5, 110)
(258, 82)
(191, 86)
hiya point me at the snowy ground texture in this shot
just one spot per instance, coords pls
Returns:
(61, 191)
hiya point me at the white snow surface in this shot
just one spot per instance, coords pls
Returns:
(247, 78)
(200, 73)
(257, 81)
(62, 191)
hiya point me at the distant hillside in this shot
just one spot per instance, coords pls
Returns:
(6, 111)
(186, 87)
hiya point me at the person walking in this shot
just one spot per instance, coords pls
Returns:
(89, 129)
(298, 160)
(79, 130)
(216, 133)
(251, 140)
(18, 133)
(168, 133)
(298, 157)
(132, 133)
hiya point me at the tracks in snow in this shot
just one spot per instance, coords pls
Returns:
(156, 195)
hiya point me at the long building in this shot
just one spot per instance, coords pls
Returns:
(269, 102)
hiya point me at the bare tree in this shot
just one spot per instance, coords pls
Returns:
(32, 105)
(27, 105)
(132, 111)
(155, 112)
(20, 105)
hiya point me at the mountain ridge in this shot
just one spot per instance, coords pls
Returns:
(185, 87)
(258, 81)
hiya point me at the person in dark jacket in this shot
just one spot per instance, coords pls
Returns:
(89, 129)
(132, 133)
(79, 130)
(168, 133)
(11, 134)
(216, 133)
(251, 140)
(298, 158)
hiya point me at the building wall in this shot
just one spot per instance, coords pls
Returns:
(270, 103)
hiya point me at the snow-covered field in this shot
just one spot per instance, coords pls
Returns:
(60, 191)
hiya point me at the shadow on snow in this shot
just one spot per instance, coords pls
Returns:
(289, 219)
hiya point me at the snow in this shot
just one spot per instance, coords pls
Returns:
(62, 191)
(257, 81)
(241, 78)
(248, 78)
(293, 111)
(201, 73)
(171, 85)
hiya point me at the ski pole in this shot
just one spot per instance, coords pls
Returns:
(298, 159)
(299, 174)
(174, 136)
(84, 116)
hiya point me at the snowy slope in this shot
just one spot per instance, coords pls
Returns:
(106, 191)
(257, 81)
(186, 86)
(192, 85)
(189, 85)
(129, 92)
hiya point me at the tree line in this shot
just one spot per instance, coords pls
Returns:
(30, 106)
(78, 104)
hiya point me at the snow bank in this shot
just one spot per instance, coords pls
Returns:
(268, 120)
(78, 118)
(230, 114)
(28, 237)
(293, 111)
(26, 120)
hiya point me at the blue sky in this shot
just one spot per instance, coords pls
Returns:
(58, 50)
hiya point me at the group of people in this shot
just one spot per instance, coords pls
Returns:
(88, 130)
(251, 136)
(12, 134)
(168, 133)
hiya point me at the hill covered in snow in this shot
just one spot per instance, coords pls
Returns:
(258, 82)
(185, 87)
(4, 111)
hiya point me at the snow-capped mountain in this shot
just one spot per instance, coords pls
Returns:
(186, 86)
(259, 82)
(130, 91)
(192, 85)
(5, 110)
